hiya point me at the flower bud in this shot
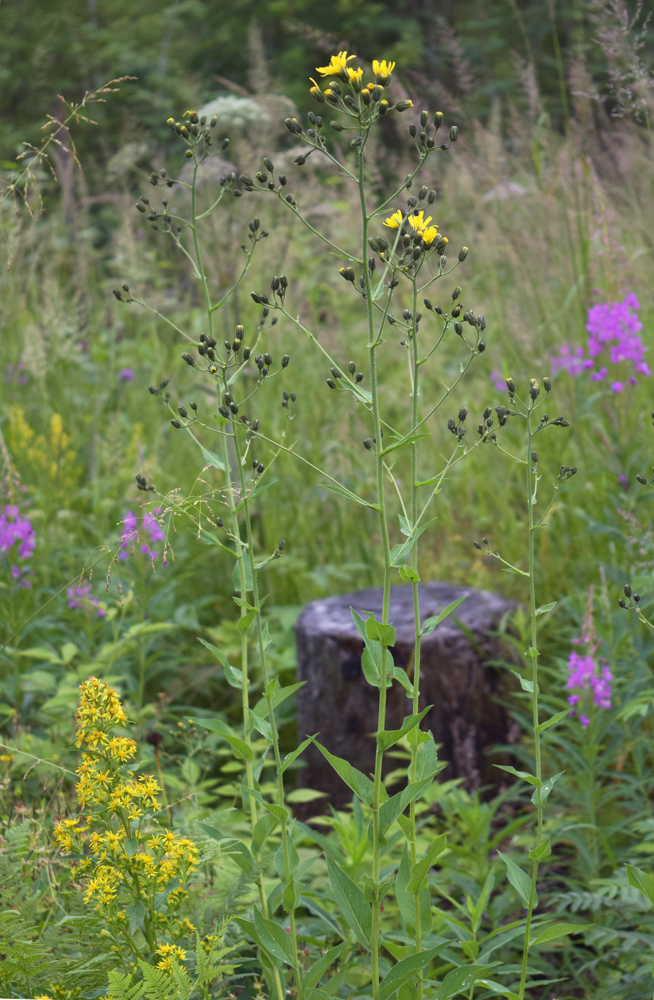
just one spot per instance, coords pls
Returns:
(547, 383)
(463, 412)
(351, 367)
(641, 479)
(188, 358)
(413, 131)
(534, 457)
(255, 298)
(358, 377)
(458, 329)
(285, 361)
(367, 444)
(627, 590)
(487, 413)
(182, 411)
(534, 388)
(260, 467)
(403, 105)
(331, 383)
(454, 133)
(477, 545)
(623, 604)
(336, 373)
(510, 384)
(438, 119)
(463, 253)
(176, 424)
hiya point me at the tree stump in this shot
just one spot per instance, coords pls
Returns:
(455, 679)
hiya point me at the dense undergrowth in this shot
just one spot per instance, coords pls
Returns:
(558, 228)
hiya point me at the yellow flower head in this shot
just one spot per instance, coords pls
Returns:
(395, 220)
(429, 234)
(382, 70)
(337, 66)
(316, 92)
(355, 76)
(418, 221)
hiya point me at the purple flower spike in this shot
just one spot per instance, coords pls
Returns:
(585, 721)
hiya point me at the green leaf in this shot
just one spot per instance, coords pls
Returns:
(546, 789)
(241, 749)
(236, 576)
(525, 775)
(402, 441)
(461, 979)
(518, 879)
(388, 737)
(555, 931)
(356, 780)
(318, 969)
(524, 683)
(273, 937)
(381, 632)
(400, 551)
(406, 968)
(553, 721)
(407, 902)
(430, 624)
(288, 760)
(419, 870)
(232, 676)
(498, 989)
(546, 607)
(350, 496)
(135, 913)
(351, 902)
(542, 851)
(210, 458)
(359, 623)
(371, 659)
(400, 674)
(243, 623)
(262, 830)
(408, 573)
(395, 806)
(641, 880)
(304, 795)
(279, 812)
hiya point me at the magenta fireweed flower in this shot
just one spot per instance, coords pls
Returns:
(585, 672)
(130, 535)
(17, 541)
(613, 329)
(80, 597)
(126, 375)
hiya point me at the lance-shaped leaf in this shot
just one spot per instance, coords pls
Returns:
(288, 760)
(419, 870)
(319, 968)
(525, 775)
(518, 879)
(430, 624)
(356, 780)
(555, 931)
(351, 902)
(641, 880)
(461, 979)
(388, 737)
(241, 749)
(395, 806)
(406, 968)
(273, 938)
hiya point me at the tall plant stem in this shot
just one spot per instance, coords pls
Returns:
(415, 410)
(383, 525)
(532, 481)
(256, 603)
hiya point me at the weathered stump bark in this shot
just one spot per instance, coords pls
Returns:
(337, 703)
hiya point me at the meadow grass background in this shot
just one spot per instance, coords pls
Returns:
(552, 193)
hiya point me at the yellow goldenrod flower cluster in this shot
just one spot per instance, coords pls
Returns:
(126, 859)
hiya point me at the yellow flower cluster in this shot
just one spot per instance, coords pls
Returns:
(168, 953)
(418, 223)
(371, 92)
(122, 852)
